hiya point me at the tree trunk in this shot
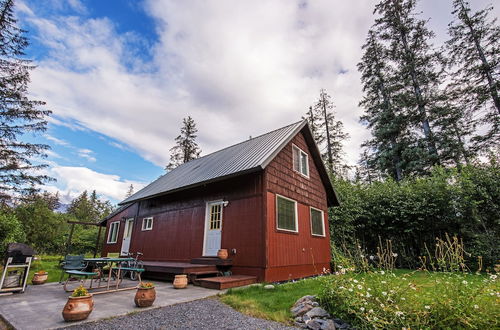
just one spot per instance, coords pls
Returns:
(328, 141)
(486, 67)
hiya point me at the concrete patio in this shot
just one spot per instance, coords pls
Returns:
(40, 306)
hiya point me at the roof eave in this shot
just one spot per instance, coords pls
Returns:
(198, 184)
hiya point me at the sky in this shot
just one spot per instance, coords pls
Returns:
(120, 75)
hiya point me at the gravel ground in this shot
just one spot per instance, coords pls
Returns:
(199, 314)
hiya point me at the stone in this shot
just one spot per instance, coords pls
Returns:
(328, 325)
(314, 325)
(317, 312)
(301, 309)
(299, 319)
(305, 299)
(306, 318)
(269, 287)
(315, 303)
(301, 325)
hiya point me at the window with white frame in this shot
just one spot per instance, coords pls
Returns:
(147, 223)
(300, 161)
(317, 222)
(113, 232)
(286, 214)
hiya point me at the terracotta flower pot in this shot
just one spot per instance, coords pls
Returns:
(144, 297)
(180, 281)
(222, 254)
(39, 278)
(78, 308)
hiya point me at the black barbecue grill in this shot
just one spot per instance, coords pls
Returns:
(17, 264)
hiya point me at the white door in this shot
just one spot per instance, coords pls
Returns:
(127, 236)
(213, 229)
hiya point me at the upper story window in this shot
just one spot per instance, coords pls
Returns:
(113, 232)
(147, 223)
(300, 161)
(286, 214)
(317, 222)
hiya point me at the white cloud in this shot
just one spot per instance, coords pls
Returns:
(239, 68)
(87, 154)
(57, 141)
(72, 181)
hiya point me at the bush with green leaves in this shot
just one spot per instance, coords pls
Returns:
(11, 230)
(412, 213)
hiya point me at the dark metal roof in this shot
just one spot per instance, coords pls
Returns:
(245, 157)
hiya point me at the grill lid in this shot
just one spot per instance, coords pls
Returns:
(19, 249)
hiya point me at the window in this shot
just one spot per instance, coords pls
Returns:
(215, 217)
(286, 214)
(317, 222)
(147, 224)
(113, 232)
(300, 161)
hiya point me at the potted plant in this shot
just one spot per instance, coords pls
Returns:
(79, 305)
(145, 295)
(40, 277)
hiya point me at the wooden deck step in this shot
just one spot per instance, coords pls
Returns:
(226, 282)
(194, 277)
(212, 261)
(176, 267)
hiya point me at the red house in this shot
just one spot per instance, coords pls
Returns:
(265, 200)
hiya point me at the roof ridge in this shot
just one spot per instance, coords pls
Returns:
(233, 145)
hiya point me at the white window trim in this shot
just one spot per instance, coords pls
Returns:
(300, 163)
(143, 227)
(296, 215)
(108, 241)
(322, 221)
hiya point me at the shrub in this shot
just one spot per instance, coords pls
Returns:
(146, 285)
(11, 230)
(417, 300)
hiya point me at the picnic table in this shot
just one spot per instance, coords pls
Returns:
(96, 268)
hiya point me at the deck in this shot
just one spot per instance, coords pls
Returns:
(202, 274)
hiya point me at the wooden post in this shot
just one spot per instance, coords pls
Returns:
(97, 242)
(68, 243)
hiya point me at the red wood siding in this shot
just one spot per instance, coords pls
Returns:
(295, 255)
(179, 220)
(116, 247)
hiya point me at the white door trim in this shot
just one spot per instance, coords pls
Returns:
(207, 221)
(129, 226)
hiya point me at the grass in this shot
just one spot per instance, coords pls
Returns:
(270, 304)
(396, 300)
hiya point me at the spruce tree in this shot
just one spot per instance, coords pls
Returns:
(19, 172)
(186, 148)
(416, 64)
(474, 64)
(386, 122)
(329, 134)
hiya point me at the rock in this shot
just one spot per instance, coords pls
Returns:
(305, 299)
(317, 312)
(306, 318)
(301, 325)
(328, 325)
(269, 287)
(300, 309)
(314, 325)
(315, 303)
(299, 319)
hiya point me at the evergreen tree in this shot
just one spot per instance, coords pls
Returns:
(387, 123)
(130, 191)
(474, 48)
(416, 64)
(328, 133)
(186, 148)
(18, 114)
(87, 208)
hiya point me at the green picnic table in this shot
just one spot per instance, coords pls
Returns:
(98, 266)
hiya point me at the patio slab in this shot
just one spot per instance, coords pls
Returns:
(40, 307)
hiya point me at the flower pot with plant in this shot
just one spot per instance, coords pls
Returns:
(222, 254)
(40, 277)
(145, 295)
(79, 305)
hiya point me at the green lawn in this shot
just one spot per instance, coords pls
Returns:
(48, 263)
(418, 299)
